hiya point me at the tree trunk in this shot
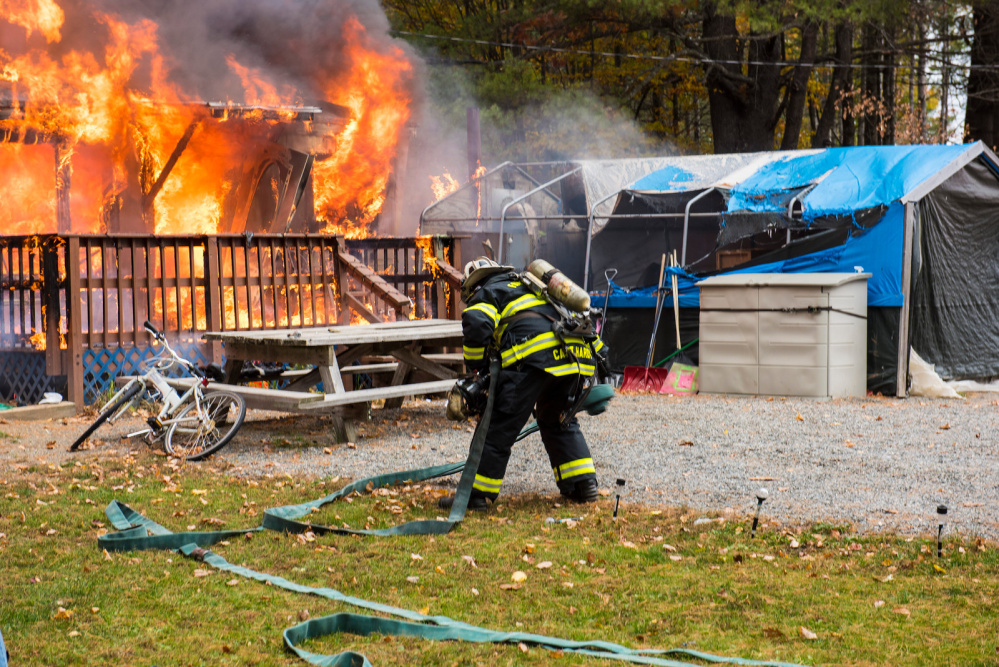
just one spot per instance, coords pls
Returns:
(982, 113)
(742, 105)
(799, 87)
(887, 125)
(837, 89)
(870, 102)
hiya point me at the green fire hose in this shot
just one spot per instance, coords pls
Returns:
(136, 532)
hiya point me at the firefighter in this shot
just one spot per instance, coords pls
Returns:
(541, 372)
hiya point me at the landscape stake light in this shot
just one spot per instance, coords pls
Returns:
(620, 489)
(761, 495)
(942, 511)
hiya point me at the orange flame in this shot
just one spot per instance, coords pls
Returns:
(443, 185)
(351, 184)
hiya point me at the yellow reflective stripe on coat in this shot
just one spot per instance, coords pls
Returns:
(487, 484)
(473, 353)
(488, 309)
(570, 369)
(521, 303)
(540, 342)
(574, 468)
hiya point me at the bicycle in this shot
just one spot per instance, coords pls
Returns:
(192, 425)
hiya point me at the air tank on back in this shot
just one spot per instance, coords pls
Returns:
(560, 287)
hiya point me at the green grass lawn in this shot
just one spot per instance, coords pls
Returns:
(650, 579)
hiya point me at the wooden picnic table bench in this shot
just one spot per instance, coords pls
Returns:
(387, 346)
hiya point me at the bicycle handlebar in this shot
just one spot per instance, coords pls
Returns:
(158, 335)
(153, 330)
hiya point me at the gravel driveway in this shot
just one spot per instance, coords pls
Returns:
(879, 464)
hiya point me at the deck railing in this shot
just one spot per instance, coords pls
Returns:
(75, 304)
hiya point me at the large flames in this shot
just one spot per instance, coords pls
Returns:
(106, 132)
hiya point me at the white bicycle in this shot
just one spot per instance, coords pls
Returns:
(192, 425)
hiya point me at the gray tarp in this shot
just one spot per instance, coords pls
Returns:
(955, 304)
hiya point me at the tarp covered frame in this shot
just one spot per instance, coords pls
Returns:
(921, 219)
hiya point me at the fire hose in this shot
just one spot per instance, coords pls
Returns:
(137, 532)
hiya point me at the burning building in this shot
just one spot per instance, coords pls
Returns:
(167, 118)
(202, 165)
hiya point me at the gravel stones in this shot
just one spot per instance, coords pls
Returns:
(879, 464)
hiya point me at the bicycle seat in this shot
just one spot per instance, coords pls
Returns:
(213, 371)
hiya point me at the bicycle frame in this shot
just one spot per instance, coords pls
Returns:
(171, 401)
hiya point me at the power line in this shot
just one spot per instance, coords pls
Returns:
(673, 58)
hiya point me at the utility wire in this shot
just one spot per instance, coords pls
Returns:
(687, 59)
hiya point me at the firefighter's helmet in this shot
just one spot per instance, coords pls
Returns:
(478, 270)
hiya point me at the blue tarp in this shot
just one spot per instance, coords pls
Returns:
(877, 251)
(859, 177)
(666, 179)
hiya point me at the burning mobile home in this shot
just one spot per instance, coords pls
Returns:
(202, 165)
(180, 119)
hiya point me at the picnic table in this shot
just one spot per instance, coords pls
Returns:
(333, 355)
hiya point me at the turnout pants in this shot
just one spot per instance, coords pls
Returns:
(518, 392)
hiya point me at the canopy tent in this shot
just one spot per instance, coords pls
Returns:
(921, 219)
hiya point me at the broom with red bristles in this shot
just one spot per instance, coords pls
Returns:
(639, 378)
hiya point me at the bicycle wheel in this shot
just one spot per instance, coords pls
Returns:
(194, 435)
(130, 391)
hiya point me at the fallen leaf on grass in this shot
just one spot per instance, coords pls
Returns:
(675, 557)
(902, 611)
(939, 569)
(509, 587)
(202, 573)
(232, 582)
(416, 556)
(544, 565)
(773, 633)
(74, 633)
(475, 591)
(523, 647)
(878, 604)
(519, 576)
(470, 560)
(412, 580)
(806, 633)
(63, 614)
(304, 615)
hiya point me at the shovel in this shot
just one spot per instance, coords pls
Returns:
(609, 275)
(682, 377)
(638, 378)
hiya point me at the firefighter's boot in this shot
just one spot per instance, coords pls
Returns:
(585, 491)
